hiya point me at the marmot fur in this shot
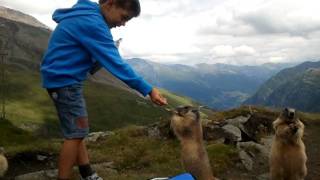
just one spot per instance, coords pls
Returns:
(3, 163)
(187, 127)
(288, 157)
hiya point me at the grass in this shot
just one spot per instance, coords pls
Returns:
(221, 156)
(137, 156)
(16, 140)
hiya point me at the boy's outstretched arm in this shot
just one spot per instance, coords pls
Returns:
(157, 98)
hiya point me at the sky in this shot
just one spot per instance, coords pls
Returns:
(239, 32)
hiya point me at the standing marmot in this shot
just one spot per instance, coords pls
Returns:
(3, 163)
(288, 158)
(187, 127)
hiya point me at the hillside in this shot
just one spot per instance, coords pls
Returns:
(20, 17)
(219, 86)
(296, 87)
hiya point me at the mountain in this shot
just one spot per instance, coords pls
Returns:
(20, 17)
(23, 37)
(297, 87)
(219, 86)
(24, 43)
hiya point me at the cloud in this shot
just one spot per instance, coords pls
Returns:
(30, 6)
(295, 17)
(211, 31)
(227, 51)
(244, 50)
(294, 22)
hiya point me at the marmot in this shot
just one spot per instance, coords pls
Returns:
(3, 163)
(288, 157)
(187, 127)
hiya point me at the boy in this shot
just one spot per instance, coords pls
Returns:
(83, 34)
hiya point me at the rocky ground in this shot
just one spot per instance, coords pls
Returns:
(251, 134)
(312, 142)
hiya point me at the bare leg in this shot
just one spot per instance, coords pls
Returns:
(83, 157)
(68, 157)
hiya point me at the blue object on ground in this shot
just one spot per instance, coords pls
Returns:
(185, 176)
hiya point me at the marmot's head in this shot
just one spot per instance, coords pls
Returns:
(288, 115)
(185, 121)
(288, 126)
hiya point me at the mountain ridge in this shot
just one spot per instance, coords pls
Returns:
(18, 16)
(296, 87)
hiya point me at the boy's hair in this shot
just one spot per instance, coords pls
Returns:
(130, 5)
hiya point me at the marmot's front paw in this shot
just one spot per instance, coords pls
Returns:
(293, 127)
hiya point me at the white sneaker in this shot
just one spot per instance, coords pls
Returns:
(94, 176)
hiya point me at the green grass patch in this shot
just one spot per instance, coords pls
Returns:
(16, 140)
(134, 152)
(221, 157)
(28, 105)
(130, 149)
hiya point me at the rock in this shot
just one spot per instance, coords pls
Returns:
(154, 132)
(29, 127)
(41, 157)
(257, 126)
(106, 167)
(219, 141)
(254, 148)
(94, 136)
(45, 175)
(213, 132)
(263, 176)
(232, 134)
(267, 142)
(238, 121)
(246, 160)
(160, 130)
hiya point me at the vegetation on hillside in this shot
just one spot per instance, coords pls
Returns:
(296, 87)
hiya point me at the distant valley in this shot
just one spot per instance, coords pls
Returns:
(219, 86)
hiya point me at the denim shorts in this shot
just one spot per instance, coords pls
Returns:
(71, 109)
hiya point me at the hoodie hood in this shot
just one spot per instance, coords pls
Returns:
(81, 8)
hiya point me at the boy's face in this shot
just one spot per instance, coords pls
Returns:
(114, 15)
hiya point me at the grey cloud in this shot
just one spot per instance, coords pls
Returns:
(180, 8)
(232, 29)
(271, 23)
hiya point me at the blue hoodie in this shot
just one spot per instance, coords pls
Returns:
(82, 35)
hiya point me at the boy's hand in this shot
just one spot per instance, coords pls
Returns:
(157, 98)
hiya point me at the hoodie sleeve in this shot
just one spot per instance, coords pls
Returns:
(96, 38)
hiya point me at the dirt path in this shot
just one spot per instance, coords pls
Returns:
(312, 142)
